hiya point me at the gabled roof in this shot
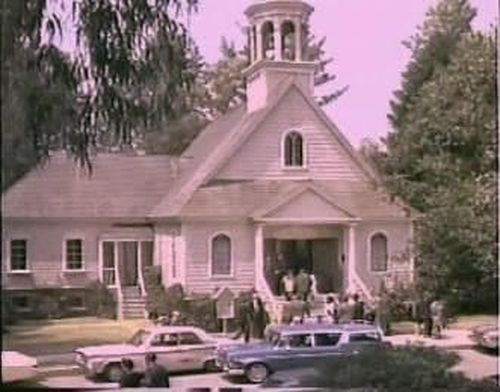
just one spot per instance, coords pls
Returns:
(215, 147)
(249, 198)
(289, 204)
(121, 185)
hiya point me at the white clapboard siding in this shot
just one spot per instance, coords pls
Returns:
(197, 236)
(260, 155)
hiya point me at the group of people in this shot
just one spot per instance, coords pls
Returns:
(155, 376)
(302, 286)
(431, 318)
(253, 318)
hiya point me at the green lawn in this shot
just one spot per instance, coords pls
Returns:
(62, 336)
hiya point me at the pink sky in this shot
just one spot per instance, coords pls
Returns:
(364, 38)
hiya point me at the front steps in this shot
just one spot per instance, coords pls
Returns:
(133, 305)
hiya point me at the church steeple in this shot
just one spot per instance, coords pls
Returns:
(277, 38)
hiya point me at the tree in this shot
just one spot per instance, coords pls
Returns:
(123, 48)
(441, 156)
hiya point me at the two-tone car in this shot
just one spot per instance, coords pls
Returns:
(178, 348)
(297, 346)
(486, 336)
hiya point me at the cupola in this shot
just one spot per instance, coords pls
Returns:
(277, 41)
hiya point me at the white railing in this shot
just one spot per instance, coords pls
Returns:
(358, 282)
(142, 284)
(119, 293)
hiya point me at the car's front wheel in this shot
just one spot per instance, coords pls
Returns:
(257, 373)
(113, 372)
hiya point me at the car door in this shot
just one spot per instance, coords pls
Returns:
(193, 351)
(166, 347)
(295, 351)
(326, 347)
(362, 340)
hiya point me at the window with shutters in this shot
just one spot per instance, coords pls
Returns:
(378, 252)
(221, 255)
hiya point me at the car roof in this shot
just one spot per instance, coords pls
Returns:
(323, 327)
(172, 329)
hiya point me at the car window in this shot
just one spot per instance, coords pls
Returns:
(327, 339)
(189, 338)
(165, 340)
(299, 340)
(139, 337)
(364, 337)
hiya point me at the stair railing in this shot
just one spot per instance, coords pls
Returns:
(119, 292)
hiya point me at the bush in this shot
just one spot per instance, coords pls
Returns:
(100, 301)
(398, 369)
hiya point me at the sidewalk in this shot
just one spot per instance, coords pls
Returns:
(453, 339)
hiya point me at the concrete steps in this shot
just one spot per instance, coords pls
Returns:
(134, 305)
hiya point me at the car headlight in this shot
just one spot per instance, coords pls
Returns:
(94, 364)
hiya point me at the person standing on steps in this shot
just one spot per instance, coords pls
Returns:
(288, 285)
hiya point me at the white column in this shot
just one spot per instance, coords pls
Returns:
(298, 40)
(252, 44)
(259, 256)
(277, 40)
(259, 42)
(351, 258)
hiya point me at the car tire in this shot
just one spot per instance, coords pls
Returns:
(113, 372)
(210, 366)
(257, 372)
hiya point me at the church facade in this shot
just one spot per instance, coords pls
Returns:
(273, 185)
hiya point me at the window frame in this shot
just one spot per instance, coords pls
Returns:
(369, 253)
(284, 138)
(65, 249)
(210, 259)
(27, 270)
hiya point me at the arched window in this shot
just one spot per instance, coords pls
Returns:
(268, 41)
(378, 252)
(221, 255)
(288, 41)
(294, 150)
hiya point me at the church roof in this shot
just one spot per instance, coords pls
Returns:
(246, 198)
(120, 186)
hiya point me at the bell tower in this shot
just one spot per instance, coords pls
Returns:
(277, 40)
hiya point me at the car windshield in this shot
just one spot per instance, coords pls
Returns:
(272, 337)
(139, 337)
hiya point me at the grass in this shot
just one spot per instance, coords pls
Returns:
(62, 336)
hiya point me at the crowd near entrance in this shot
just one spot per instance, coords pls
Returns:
(318, 257)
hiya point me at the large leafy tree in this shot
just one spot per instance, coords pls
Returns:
(441, 156)
(103, 93)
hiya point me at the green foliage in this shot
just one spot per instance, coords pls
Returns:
(131, 64)
(398, 369)
(100, 301)
(441, 156)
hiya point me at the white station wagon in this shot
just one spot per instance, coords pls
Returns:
(178, 348)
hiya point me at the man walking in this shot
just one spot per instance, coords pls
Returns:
(156, 376)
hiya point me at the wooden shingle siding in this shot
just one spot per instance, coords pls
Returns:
(398, 237)
(260, 155)
(197, 236)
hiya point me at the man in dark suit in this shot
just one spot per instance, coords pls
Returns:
(156, 375)
(130, 379)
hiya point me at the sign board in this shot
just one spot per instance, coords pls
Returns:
(224, 303)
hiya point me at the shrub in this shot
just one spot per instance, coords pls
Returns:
(398, 369)
(100, 300)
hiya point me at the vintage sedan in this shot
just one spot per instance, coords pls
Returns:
(178, 348)
(297, 346)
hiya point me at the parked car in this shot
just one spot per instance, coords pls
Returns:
(297, 346)
(178, 348)
(17, 367)
(485, 336)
